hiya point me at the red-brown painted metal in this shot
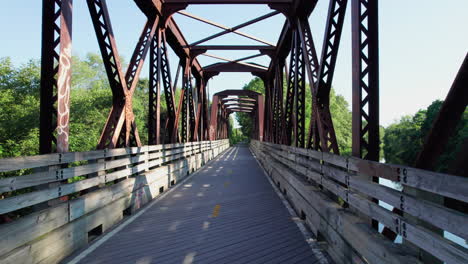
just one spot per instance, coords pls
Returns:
(229, 30)
(120, 128)
(444, 125)
(365, 101)
(154, 108)
(55, 76)
(334, 27)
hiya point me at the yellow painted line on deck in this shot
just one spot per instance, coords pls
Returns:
(216, 210)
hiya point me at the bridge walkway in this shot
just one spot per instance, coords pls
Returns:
(226, 213)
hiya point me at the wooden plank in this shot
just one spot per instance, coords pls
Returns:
(21, 201)
(455, 187)
(19, 163)
(335, 173)
(38, 178)
(366, 241)
(445, 218)
(80, 156)
(25, 229)
(372, 168)
(441, 248)
(336, 160)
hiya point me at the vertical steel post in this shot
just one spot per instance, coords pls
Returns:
(154, 118)
(55, 75)
(365, 54)
(290, 124)
(260, 116)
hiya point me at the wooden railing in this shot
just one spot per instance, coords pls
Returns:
(60, 201)
(335, 196)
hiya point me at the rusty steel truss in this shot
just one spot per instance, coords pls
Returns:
(279, 115)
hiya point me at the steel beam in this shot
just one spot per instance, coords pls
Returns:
(120, 125)
(229, 2)
(446, 121)
(224, 27)
(233, 47)
(229, 30)
(365, 79)
(154, 117)
(333, 30)
(55, 76)
(312, 69)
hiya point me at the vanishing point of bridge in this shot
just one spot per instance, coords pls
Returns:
(287, 196)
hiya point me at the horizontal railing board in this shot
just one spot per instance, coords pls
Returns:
(120, 159)
(21, 231)
(54, 235)
(341, 222)
(452, 186)
(446, 218)
(18, 163)
(39, 178)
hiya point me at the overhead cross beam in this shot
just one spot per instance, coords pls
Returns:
(229, 30)
(243, 2)
(233, 47)
(224, 27)
(238, 61)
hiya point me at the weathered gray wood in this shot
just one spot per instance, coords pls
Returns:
(13, 164)
(336, 160)
(373, 248)
(48, 236)
(38, 178)
(449, 220)
(372, 168)
(445, 218)
(21, 231)
(24, 200)
(455, 187)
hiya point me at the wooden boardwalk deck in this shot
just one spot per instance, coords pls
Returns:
(227, 213)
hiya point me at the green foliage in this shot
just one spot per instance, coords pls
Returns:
(90, 103)
(19, 100)
(235, 134)
(404, 139)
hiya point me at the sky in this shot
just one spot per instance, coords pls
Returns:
(422, 43)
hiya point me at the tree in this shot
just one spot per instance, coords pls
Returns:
(404, 139)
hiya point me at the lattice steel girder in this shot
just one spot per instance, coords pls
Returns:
(312, 68)
(191, 105)
(185, 106)
(333, 30)
(289, 117)
(198, 135)
(365, 103)
(299, 90)
(55, 75)
(154, 117)
(175, 38)
(172, 133)
(121, 121)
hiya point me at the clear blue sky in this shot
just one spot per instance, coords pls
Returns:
(423, 43)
